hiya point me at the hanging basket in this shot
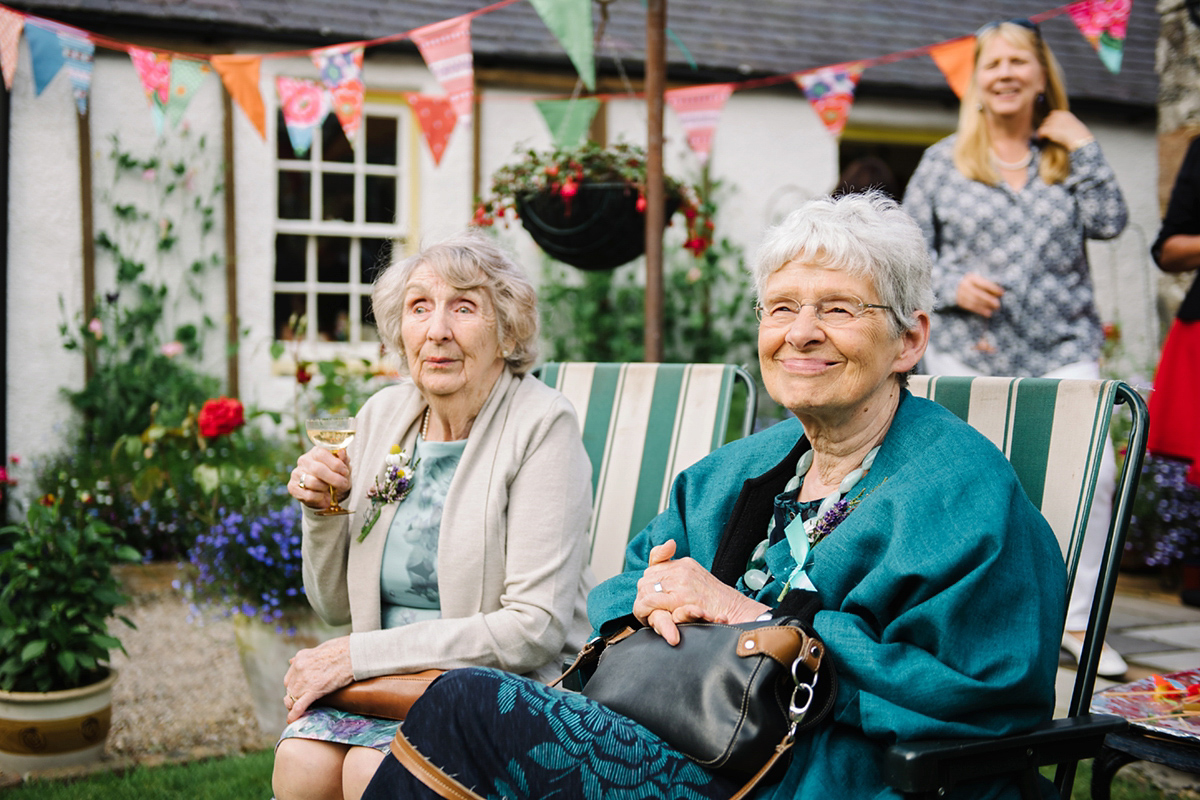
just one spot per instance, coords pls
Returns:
(600, 229)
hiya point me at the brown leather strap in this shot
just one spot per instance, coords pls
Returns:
(427, 772)
(780, 750)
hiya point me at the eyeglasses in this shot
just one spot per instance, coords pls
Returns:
(1024, 22)
(834, 309)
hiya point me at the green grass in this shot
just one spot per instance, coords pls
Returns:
(249, 778)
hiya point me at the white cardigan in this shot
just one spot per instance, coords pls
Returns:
(516, 602)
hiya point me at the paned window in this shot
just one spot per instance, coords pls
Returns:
(338, 215)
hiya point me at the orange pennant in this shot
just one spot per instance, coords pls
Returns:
(956, 61)
(240, 76)
(435, 114)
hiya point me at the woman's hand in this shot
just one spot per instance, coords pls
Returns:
(670, 592)
(978, 295)
(316, 672)
(1063, 127)
(315, 472)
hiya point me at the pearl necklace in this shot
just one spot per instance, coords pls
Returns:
(1013, 165)
(425, 425)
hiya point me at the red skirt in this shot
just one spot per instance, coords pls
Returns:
(1175, 401)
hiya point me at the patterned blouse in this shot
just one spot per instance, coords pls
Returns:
(1031, 242)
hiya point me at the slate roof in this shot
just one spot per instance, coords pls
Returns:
(728, 39)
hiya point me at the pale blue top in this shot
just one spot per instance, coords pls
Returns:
(408, 578)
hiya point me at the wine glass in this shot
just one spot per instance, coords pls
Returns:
(332, 433)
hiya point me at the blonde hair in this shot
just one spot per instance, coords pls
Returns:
(973, 146)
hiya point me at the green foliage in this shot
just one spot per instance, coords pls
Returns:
(57, 592)
(238, 777)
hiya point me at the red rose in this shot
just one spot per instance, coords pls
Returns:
(303, 376)
(220, 416)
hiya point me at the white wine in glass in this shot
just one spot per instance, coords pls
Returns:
(332, 433)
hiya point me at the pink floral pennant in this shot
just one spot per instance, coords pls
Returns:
(11, 24)
(446, 48)
(1103, 23)
(341, 72)
(154, 69)
(830, 90)
(436, 117)
(304, 104)
(699, 110)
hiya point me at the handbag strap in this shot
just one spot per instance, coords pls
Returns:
(780, 750)
(427, 772)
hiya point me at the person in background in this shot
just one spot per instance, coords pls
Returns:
(1006, 204)
(867, 172)
(1175, 401)
(842, 513)
(480, 559)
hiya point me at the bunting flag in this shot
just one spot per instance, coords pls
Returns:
(239, 74)
(830, 90)
(446, 48)
(341, 72)
(1103, 23)
(956, 60)
(568, 120)
(154, 69)
(304, 105)
(571, 23)
(11, 24)
(436, 116)
(186, 77)
(699, 110)
(79, 52)
(45, 52)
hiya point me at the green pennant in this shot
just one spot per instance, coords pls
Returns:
(571, 23)
(568, 120)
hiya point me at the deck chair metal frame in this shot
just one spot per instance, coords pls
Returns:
(643, 424)
(1022, 416)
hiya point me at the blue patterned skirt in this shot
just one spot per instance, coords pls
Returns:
(510, 737)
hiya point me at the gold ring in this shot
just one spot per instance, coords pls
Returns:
(293, 699)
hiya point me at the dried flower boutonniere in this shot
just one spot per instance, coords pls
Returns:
(392, 486)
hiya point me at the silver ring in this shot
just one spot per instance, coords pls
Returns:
(300, 483)
(658, 587)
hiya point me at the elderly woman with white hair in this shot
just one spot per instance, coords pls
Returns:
(920, 541)
(479, 557)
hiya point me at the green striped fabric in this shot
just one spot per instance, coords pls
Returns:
(642, 425)
(1052, 431)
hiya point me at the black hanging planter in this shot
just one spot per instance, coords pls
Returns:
(602, 230)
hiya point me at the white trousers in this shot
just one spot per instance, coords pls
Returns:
(1095, 535)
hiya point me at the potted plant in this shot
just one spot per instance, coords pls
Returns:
(57, 593)
(248, 566)
(583, 205)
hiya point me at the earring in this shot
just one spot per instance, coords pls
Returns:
(979, 107)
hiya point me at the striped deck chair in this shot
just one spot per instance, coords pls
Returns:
(1053, 432)
(642, 425)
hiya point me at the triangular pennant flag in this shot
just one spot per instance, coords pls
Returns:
(79, 53)
(341, 72)
(446, 48)
(956, 60)
(11, 24)
(304, 105)
(45, 52)
(571, 23)
(240, 76)
(699, 110)
(1103, 23)
(830, 90)
(437, 118)
(154, 68)
(568, 120)
(186, 77)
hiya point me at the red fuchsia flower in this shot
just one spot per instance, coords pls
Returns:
(689, 213)
(15, 460)
(641, 203)
(697, 245)
(1112, 332)
(3, 477)
(568, 189)
(552, 171)
(220, 416)
(303, 376)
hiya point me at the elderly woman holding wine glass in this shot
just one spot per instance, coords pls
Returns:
(469, 494)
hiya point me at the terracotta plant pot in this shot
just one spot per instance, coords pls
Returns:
(43, 730)
(600, 228)
(264, 653)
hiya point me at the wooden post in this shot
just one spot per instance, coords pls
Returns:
(231, 271)
(656, 69)
(88, 235)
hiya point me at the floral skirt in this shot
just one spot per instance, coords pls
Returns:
(342, 727)
(511, 737)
